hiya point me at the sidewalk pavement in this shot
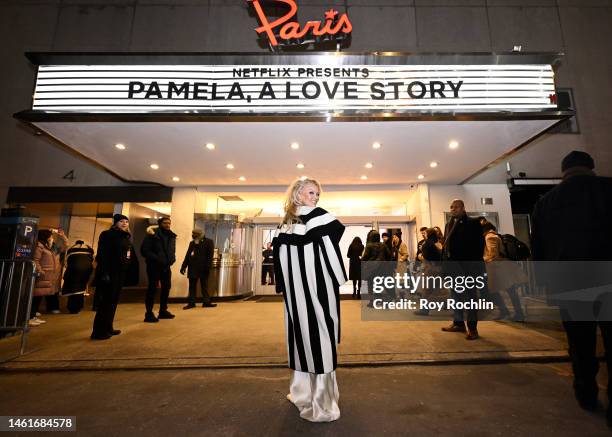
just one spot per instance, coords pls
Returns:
(252, 334)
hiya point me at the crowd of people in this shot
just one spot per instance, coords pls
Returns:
(471, 245)
(115, 266)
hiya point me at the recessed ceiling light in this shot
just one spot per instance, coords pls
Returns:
(421, 177)
(433, 164)
(210, 146)
(300, 165)
(295, 146)
(154, 166)
(453, 144)
(376, 146)
(368, 165)
(176, 179)
(242, 179)
(229, 166)
(364, 178)
(120, 146)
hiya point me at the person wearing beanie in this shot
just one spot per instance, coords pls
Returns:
(116, 264)
(571, 223)
(159, 251)
(197, 263)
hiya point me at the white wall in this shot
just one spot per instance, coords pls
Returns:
(183, 208)
(441, 196)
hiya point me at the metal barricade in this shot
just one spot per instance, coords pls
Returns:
(17, 279)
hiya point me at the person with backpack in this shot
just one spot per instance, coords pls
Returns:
(502, 274)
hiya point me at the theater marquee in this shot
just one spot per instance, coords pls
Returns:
(326, 85)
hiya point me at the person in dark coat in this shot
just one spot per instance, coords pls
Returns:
(354, 253)
(197, 263)
(114, 259)
(431, 257)
(463, 248)
(376, 250)
(159, 251)
(79, 266)
(571, 223)
(267, 265)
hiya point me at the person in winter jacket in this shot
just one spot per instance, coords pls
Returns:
(114, 260)
(502, 274)
(48, 271)
(375, 250)
(159, 251)
(354, 253)
(197, 263)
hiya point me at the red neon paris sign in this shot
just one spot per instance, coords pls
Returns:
(332, 25)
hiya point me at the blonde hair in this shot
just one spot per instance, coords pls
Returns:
(293, 199)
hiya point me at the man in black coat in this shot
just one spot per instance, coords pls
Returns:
(159, 248)
(197, 263)
(462, 252)
(267, 265)
(572, 223)
(115, 261)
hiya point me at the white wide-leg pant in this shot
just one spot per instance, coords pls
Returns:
(315, 396)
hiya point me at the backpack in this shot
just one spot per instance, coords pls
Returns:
(514, 249)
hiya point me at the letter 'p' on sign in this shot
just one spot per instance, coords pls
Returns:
(288, 29)
(27, 230)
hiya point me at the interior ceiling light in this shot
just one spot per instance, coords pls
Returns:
(421, 177)
(364, 178)
(433, 164)
(300, 165)
(229, 166)
(210, 146)
(453, 145)
(303, 178)
(232, 198)
(176, 179)
(368, 165)
(120, 146)
(376, 146)
(295, 146)
(155, 166)
(242, 179)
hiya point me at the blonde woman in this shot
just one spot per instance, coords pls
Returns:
(309, 271)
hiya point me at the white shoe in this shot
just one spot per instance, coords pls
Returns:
(38, 314)
(33, 322)
(56, 312)
(40, 321)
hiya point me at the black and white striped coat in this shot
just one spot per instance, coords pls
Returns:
(309, 271)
